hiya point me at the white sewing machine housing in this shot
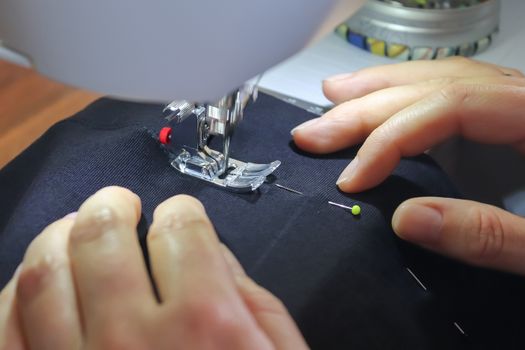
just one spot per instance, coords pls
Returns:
(155, 50)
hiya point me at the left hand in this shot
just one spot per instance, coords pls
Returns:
(83, 284)
(404, 109)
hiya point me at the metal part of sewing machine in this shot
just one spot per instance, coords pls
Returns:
(219, 119)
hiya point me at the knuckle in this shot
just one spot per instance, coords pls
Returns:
(98, 220)
(454, 92)
(116, 336)
(211, 317)
(197, 223)
(443, 81)
(471, 67)
(177, 221)
(462, 62)
(190, 201)
(103, 216)
(386, 134)
(34, 279)
(180, 203)
(487, 236)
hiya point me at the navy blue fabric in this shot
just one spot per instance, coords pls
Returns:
(343, 278)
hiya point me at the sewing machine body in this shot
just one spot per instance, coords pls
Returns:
(161, 49)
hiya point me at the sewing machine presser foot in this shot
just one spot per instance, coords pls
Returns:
(207, 164)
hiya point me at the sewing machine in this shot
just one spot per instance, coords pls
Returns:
(157, 50)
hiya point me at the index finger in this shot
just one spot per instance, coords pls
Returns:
(110, 274)
(201, 303)
(483, 113)
(343, 88)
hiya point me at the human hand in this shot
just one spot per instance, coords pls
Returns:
(404, 109)
(83, 284)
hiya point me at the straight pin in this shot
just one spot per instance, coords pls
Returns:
(355, 210)
(289, 189)
(417, 279)
(460, 329)
(340, 205)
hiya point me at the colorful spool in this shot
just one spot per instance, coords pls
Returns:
(423, 29)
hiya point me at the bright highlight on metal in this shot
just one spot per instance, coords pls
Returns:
(289, 189)
(460, 329)
(417, 279)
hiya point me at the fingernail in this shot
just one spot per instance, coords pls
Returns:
(418, 223)
(339, 77)
(305, 125)
(347, 174)
(71, 216)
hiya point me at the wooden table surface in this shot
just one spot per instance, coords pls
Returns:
(29, 105)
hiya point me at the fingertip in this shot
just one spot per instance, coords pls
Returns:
(354, 86)
(473, 232)
(330, 133)
(331, 91)
(346, 181)
(309, 136)
(350, 186)
(417, 222)
(338, 88)
(339, 77)
(307, 141)
(179, 206)
(186, 200)
(305, 126)
(110, 196)
(117, 191)
(340, 91)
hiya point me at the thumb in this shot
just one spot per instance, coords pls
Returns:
(476, 233)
